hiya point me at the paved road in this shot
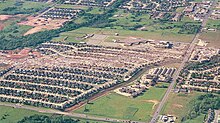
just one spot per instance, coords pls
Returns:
(176, 74)
(217, 113)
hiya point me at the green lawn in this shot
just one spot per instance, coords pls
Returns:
(117, 106)
(213, 24)
(198, 119)
(154, 29)
(12, 115)
(69, 37)
(127, 20)
(96, 10)
(156, 35)
(179, 104)
(72, 6)
(12, 30)
(25, 7)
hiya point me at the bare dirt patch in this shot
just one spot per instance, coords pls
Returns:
(4, 17)
(40, 24)
(1, 26)
(178, 105)
(212, 38)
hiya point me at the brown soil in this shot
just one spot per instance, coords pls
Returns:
(40, 24)
(4, 17)
(178, 105)
(1, 26)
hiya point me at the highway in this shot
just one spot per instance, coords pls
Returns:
(185, 60)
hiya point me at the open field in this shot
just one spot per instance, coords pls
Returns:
(117, 106)
(41, 24)
(123, 34)
(95, 10)
(179, 104)
(4, 17)
(213, 24)
(7, 20)
(12, 7)
(198, 119)
(213, 38)
(72, 6)
(10, 28)
(12, 115)
(137, 26)
(132, 21)
(69, 37)
(174, 65)
(15, 30)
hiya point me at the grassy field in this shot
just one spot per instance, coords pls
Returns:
(124, 21)
(127, 20)
(167, 36)
(69, 37)
(12, 115)
(213, 24)
(153, 29)
(96, 10)
(198, 119)
(12, 29)
(179, 104)
(117, 106)
(158, 35)
(25, 7)
(212, 37)
(72, 6)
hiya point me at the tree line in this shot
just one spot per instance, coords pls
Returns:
(48, 119)
(33, 40)
(202, 104)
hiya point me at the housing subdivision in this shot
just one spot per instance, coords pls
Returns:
(151, 78)
(61, 13)
(61, 75)
(100, 3)
(202, 72)
(155, 5)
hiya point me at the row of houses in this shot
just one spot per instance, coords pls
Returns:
(215, 14)
(158, 5)
(156, 75)
(100, 3)
(61, 13)
(198, 10)
(132, 90)
(174, 16)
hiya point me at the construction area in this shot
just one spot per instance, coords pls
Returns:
(80, 71)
